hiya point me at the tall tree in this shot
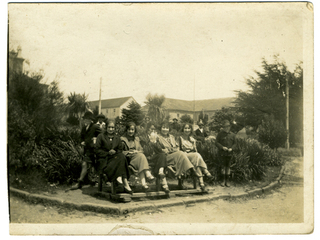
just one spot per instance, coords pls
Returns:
(156, 110)
(132, 114)
(267, 95)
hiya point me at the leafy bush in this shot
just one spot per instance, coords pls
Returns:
(249, 162)
(36, 139)
(34, 113)
(186, 119)
(272, 132)
(60, 160)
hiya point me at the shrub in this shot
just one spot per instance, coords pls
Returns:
(272, 132)
(249, 162)
(34, 113)
(186, 119)
(60, 160)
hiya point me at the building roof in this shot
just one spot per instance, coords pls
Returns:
(110, 103)
(198, 105)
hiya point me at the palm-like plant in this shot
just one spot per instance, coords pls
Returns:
(77, 105)
(156, 110)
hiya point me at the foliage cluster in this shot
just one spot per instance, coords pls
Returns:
(272, 132)
(156, 109)
(60, 159)
(186, 119)
(77, 105)
(232, 115)
(267, 96)
(204, 118)
(37, 139)
(249, 161)
(34, 113)
(132, 114)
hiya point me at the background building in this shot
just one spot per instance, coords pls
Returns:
(112, 108)
(176, 108)
(16, 61)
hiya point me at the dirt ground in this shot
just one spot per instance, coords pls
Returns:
(281, 205)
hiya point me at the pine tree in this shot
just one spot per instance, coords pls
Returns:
(132, 114)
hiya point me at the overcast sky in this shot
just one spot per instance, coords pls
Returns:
(159, 48)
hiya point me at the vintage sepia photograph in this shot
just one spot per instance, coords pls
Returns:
(160, 118)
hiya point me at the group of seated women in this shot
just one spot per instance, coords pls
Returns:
(117, 154)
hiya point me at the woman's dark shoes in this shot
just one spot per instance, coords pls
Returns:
(222, 184)
(227, 181)
(209, 176)
(193, 173)
(182, 187)
(127, 191)
(146, 188)
(78, 185)
(118, 187)
(202, 187)
(165, 188)
(150, 178)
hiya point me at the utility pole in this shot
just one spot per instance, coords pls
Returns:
(194, 100)
(100, 96)
(287, 107)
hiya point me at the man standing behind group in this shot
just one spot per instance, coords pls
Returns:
(101, 121)
(200, 132)
(175, 125)
(145, 122)
(226, 143)
(88, 135)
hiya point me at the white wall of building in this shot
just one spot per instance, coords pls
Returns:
(125, 105)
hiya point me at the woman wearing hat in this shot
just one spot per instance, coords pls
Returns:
(134, 152)
(88, 135)
(188, 146)
(226, 143)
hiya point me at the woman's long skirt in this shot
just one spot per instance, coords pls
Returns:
(180, 161)
(197, 161)
(114, 166)
(139, 162)
(160, 161)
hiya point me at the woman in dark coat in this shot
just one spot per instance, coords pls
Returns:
(111, 160)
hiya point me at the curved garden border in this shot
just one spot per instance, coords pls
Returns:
(101, 208)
